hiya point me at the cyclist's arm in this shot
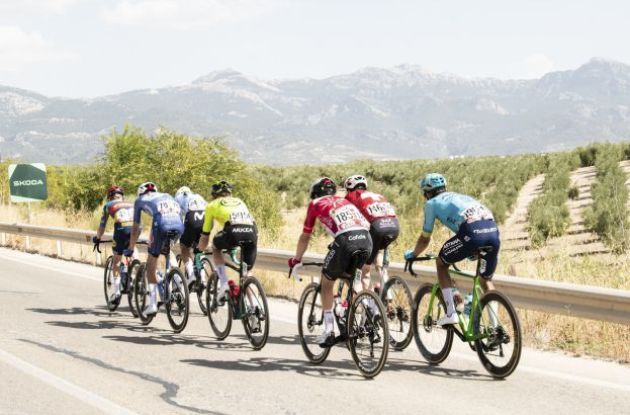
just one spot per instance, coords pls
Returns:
(208, 224)
(302, 245)
(427, 229)
(307, 230)
(103, 223)
(135, 231)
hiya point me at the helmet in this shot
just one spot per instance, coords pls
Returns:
(322, 187)
(184, 190)
(221, 187)
(146, 187)
(355, 181)
(113, 190)
(432, 181)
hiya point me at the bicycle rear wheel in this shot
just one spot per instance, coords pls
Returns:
(177, 300)
(434, 342)
(132, 271)
(202, 284)
(141, 294)
(219, 310)
(256, 318)
(396, 297)
(368, 337)
(499, 348)
(108, 285)
(311, 324)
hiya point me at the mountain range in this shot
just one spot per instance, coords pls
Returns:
(403, 112)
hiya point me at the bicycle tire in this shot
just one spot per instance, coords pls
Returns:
(312, 290)
(132, 270)
(171, 296)
(367, 329)
(201, 292)
(397, 318)
(108, 280)
(214, 308)
(498, 372)
(141, 291)
(262, 317)
(427, 324)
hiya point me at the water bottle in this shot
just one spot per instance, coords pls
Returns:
(458, 300)
(160, 287)
(123, 276)
(338, 307)
(468, 304)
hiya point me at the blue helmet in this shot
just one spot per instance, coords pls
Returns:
(432, 181)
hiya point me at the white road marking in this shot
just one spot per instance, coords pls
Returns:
(63, 385)
(54, 269)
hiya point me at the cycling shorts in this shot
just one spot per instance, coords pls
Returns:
(339, 262)
(245, 236)
(193, 222)
(120, 241)
(383, 232)
(468, 239)
(161, 239)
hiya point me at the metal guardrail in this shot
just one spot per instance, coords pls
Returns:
(558, 298)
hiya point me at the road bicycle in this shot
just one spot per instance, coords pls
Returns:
(246, 301)
(361, 325)
(493, 329)
(203, 269)
(127, 271)
(172, 292)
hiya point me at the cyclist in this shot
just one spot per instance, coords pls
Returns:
(239, 228)
(193, 207)
(344, 222)
(384, 227)
(166, 227)
(474, 227)
(122, 214)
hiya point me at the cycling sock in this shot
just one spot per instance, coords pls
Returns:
(190, 270)
(447, 293)
(329, 321)
(222, 275)
(153, 293)
(117, 284)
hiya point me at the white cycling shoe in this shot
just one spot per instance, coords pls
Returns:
(150, 310)
(446, 320)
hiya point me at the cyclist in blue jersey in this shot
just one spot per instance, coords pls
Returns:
(193, 209)
(122, 214)
(166, 227)
(474, 227)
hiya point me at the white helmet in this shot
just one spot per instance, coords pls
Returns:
(354, 181)
(184, 190)
(146, 187)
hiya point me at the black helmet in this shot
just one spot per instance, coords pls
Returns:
(323, 186)
(221, 187)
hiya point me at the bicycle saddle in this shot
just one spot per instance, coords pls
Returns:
(357, 260)
(483, 250)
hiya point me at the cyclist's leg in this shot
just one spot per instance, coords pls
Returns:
(222, 240)
(454, 250)
(334, 267)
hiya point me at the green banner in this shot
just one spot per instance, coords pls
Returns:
(27, 182)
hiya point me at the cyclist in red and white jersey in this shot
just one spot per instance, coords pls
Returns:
(343, 221)
(384, 227)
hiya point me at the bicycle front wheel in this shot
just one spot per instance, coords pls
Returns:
(177, 302)
(311, 324)
(219, 309)
(108, 285)
(497, 324)
(132, 272)
(202, 284)
(141, 294)
(256, 317)
(433, 341)
(396, 297)
(368, 337)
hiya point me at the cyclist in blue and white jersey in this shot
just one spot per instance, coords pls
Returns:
(474, 227)
(193, 209)
(166, 227)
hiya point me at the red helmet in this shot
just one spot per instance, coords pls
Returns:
(113, 190)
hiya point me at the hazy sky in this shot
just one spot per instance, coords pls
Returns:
(93, 47)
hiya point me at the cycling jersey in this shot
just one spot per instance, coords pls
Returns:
(226, 209)
(336, 214)
(162, 208)
(372, 205)
(453, 209)
(190, 202)
(121, 212)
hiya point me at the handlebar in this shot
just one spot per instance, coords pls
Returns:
(293, 272)
(428, 257)
(97, 246)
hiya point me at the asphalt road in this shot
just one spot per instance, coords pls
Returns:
(61, 352)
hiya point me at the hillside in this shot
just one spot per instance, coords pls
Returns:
(399, 113)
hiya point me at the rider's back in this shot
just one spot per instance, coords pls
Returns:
(163, 209)
(453, 209)
(371, 205)
(337, 215)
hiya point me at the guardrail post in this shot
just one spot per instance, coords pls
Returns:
(4, 238)
(58, 248)
(28, 243)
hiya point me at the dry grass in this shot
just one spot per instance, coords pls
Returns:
(541, 330)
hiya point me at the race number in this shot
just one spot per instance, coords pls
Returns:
(348, 217)
(381, 209)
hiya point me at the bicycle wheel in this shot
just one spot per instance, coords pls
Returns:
(434, 342)
(132, 271)
(311, 324)
(108, 285)
(256, 317)
(177, 300)
(368, 337)
(396, 297)
(141, 294)
(499, 348)
(202, 284)
(219, 310)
